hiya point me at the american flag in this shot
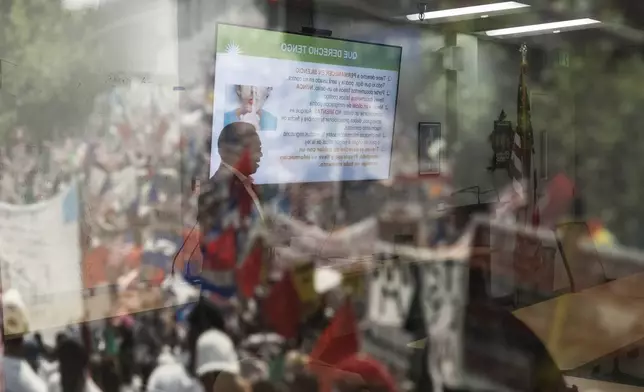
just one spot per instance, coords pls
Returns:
(521, 168)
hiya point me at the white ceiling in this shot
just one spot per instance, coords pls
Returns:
(541, 11)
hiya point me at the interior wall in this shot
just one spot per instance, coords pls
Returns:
(487, 84)
(421, 90)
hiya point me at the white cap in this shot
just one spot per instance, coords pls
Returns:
(16, 321)
(216, 352)
(326, 279)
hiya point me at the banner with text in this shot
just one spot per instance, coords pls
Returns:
(41, 258)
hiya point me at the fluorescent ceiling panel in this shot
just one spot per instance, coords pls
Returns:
(476, 10)
(552, 27)
(75, 5)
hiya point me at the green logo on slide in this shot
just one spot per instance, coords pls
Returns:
(233, 48)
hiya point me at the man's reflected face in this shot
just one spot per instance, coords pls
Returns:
(254, 144)
(241, 147)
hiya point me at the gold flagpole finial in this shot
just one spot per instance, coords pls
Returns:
(524, 53)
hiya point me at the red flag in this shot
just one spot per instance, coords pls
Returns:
(372, 371)
(95, 267)
(340, 339)
(536, 218)
(237, 189)
(282, 308)
(556, 201)
(221, 253)
(249, 274)
(241, 196)
(244, 165)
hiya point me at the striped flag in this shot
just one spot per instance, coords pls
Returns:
(515, 198)
(516, 168)
(521, 168)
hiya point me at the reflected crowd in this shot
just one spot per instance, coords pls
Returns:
(135, 191)
(159, 328)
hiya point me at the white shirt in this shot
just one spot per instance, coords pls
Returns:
(47, 369)
(54, 384)
(173, 378)
(20, 377)
(166, 357)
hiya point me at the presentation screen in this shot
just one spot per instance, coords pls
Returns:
(323, 108)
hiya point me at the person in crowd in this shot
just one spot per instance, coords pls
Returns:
(48, 364)
(19, 376)
(295, 362)
(126, 350)
(178, 376)
(149, 345)
(227, 382)
(268, 386)
(302, 380)
(110, 338)
(204, 316)
(216, 361)
(45, 350)
(73, 374)
(110, 380)
(32, 353)
(251, 103)
(146, 369)
(87, 336)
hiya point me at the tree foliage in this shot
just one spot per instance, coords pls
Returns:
(596, 122)
(48, 59)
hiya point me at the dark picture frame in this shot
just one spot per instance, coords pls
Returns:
(428, 133)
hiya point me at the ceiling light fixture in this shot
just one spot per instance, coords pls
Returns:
(565, 25)
(472, 10)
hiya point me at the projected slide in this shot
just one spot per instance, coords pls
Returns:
(323, 109)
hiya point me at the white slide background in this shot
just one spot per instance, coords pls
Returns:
(268, 72)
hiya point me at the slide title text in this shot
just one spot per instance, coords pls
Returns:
(314, 50)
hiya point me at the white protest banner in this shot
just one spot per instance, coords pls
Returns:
(444, 297)
(41, 258)
(355, 240)
(390, 293)
(444, 273)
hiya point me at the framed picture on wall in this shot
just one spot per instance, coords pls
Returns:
(430, 151)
